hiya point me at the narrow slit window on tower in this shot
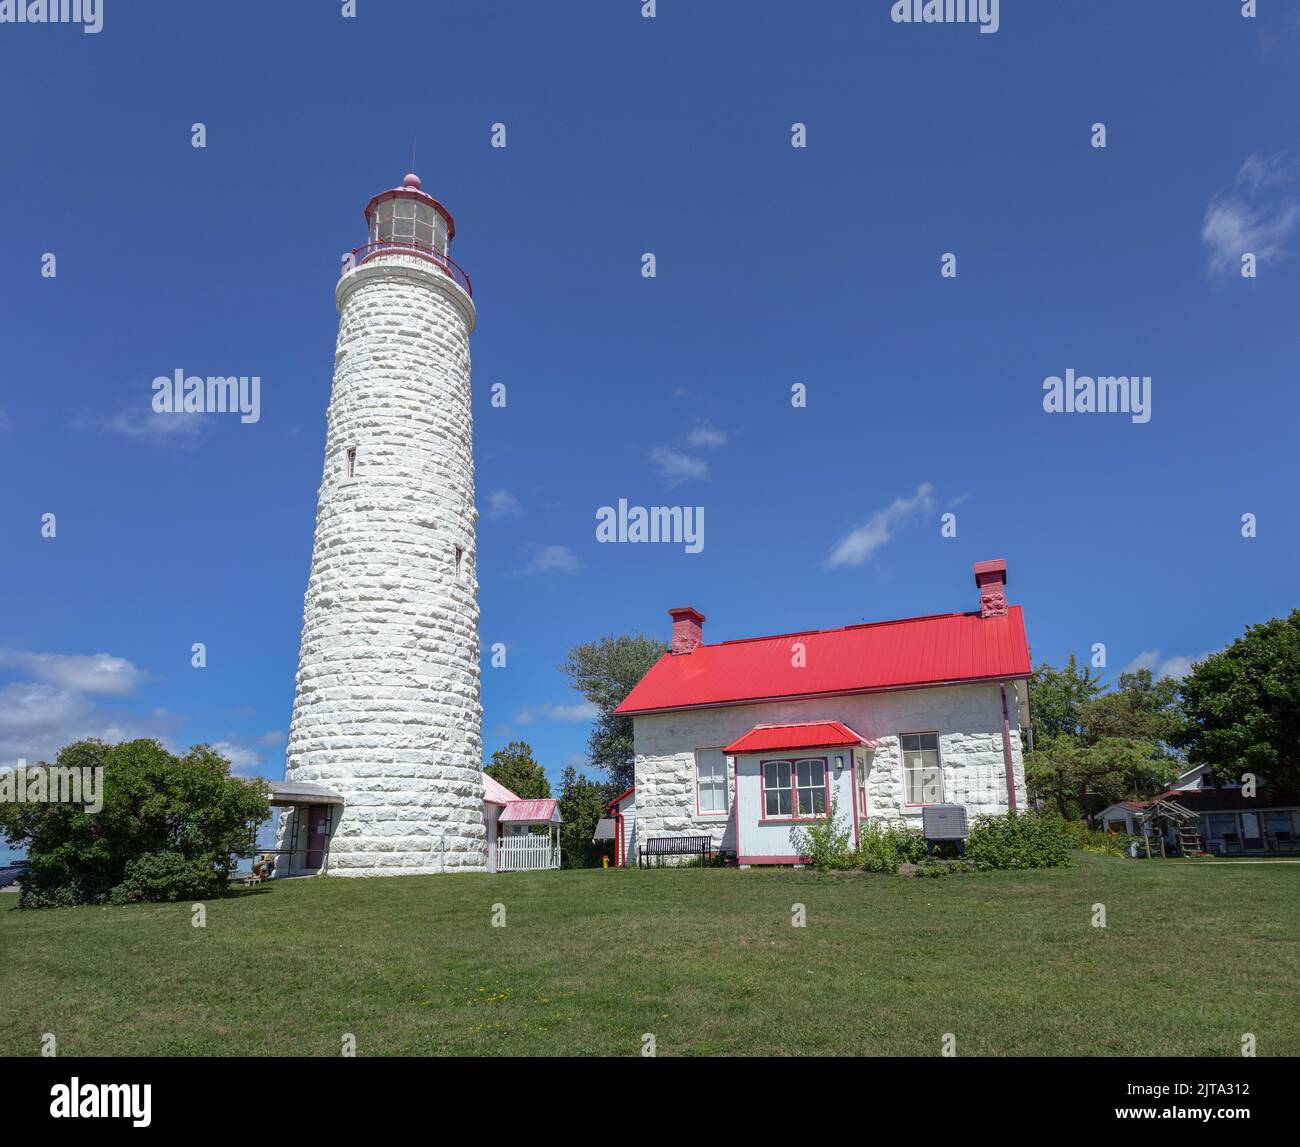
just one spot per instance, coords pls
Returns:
(352, 461)
(460, 563)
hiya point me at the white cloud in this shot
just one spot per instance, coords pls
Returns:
(551, 559)
(578, 711)
(503, 504)
(38, 719)
(79, 673)
(674, 466)
(242, 759)
(859, 544)
(179, 429)
(1256, 216)
(704, 436)
(1161, 666)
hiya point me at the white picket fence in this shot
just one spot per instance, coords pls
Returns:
(525, 853)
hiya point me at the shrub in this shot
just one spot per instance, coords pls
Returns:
(882, 848)
(1018, 840)
(159, 876)
(824, 844)
(1098, 840)
(153, 803)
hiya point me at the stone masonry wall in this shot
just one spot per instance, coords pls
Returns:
(387, 708)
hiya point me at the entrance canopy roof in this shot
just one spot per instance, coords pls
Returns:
(291, 793)
(531, 812)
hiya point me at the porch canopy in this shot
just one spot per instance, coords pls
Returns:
(539, 812)
(796, 735)
(291, 794)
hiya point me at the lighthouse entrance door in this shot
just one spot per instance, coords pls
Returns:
(318, 835)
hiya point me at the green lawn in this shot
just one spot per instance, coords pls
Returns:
(705, 959)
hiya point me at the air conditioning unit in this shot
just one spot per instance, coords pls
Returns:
(944, 822)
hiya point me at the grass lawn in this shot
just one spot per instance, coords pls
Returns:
(705, 959)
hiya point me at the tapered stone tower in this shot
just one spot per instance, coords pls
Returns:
(386, 710)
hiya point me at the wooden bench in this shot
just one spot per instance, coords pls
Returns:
(661, 846)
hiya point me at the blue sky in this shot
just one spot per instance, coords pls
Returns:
(775, 266)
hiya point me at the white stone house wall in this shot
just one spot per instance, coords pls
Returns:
(968, 719)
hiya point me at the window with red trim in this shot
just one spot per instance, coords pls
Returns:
(810, 781)
(922, 769)
(710, 782)
(777, 790)
(794, 788)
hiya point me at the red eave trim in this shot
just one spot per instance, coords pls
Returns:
(621, 797)
(995, 677)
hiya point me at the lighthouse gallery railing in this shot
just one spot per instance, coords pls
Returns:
(445, 263)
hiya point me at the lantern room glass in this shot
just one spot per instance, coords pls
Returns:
(407, 223)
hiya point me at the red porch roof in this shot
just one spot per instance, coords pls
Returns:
(529, 812)
(800, 735)
(946, 648)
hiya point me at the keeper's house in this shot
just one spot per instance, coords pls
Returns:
(745, 740)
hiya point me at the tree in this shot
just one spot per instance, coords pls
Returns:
(1243, 706)
(582, 804)
(1139, 707)
(1093, 746)
(515, 768)
(1081, 776)
(605, 672)
(168, 826)
(1058, 696)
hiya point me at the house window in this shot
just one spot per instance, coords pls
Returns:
(922, 771)
(860, 768)
(352, 461)
(460, 563)
(710, 781)
(777, 794)
(794, 788)
(810, 776)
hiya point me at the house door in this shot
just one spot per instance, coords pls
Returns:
(318, 835)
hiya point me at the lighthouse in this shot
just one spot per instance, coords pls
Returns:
(386, 710)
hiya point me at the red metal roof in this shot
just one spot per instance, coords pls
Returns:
(534, 811)
(494, 792)
(800, 735)
(949, 647)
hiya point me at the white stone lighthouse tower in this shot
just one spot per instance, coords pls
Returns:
(386, 711)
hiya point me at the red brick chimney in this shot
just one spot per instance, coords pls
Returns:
(688, 628)
(991, 577)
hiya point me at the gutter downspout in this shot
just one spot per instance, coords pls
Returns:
(1006, 749)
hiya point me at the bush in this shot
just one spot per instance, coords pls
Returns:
(1098, 840)
(824, 844)
(1018, 840)
(882, 848)
(159, 822)
(160, 876)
